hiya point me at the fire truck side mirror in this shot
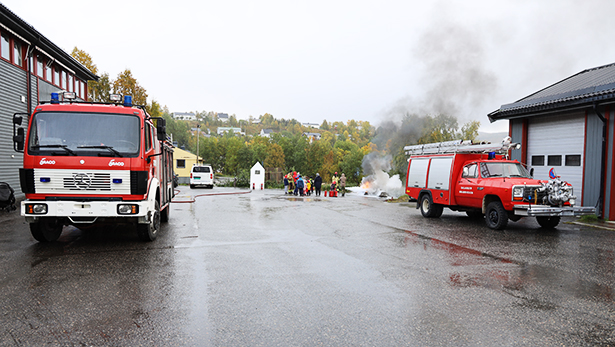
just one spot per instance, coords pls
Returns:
(161, 127)
(532, 172)
(18, 140)
(17, 120)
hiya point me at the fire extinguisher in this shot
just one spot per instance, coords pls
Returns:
(253, 187)
(261, 186)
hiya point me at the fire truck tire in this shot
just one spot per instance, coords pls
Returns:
(429, 209)
(548, 222)
(496, 216)
(46, 229)
(149, 232)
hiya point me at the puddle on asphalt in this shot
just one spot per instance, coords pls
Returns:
(480, 269)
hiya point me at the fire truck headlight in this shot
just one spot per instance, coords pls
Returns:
(36, 208)
(127, 209)
(517, 193)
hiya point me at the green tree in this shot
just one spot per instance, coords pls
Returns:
(275, 156)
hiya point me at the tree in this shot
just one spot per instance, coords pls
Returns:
(99, 91)
(275, 156)
(85, 59)
(126, 84)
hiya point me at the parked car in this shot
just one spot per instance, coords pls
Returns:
(202, 175)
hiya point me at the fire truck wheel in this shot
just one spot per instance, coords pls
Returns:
(429, 209)
(496, 216)
(148, 232)
(548, 222)
(46, 229)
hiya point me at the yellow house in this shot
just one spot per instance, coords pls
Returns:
(183, 161)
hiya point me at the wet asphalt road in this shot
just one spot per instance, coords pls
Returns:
(265, 269)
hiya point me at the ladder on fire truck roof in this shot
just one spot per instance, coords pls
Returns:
(461, 146)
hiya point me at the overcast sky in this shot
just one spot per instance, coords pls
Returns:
(334, 60)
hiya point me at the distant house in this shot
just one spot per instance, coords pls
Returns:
(257, 176)
(182, 163)
(223, 117)
(266, 132)
(312, 136)
(184, 116)
(236, 131)
(311, 125)
(203, 132)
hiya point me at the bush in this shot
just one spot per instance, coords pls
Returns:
(589, 218)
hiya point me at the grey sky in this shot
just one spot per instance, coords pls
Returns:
(334, 60)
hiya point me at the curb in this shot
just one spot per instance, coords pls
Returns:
(598, 226)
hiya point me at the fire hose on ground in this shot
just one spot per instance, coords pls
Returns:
(206, 194)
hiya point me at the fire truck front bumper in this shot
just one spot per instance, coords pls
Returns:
(549, 211)
(84, 212)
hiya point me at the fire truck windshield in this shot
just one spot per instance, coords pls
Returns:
(500, 169)
(84, 134)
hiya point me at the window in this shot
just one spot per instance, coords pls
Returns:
(148, 137)
(18, 54)
(40, 66)
(82, 90)
(573, 160)
(554, 160)
(48, 73)
(6, 47)
(471, 171)
(538, 160)
(71, 85)
(257, 172)
(181, 163)
(56, 76)
(63, 82)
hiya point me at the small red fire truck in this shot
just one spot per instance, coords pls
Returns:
(89, 163)
(480, 180)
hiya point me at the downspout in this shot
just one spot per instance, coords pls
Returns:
(600, 202)
(29, 77)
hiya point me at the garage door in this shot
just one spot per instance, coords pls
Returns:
(558, 143)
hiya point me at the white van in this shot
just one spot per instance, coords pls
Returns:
(202, 175)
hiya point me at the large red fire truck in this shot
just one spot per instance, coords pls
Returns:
(480, 180)
(89, 163)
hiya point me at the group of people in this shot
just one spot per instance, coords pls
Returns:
(295, 184)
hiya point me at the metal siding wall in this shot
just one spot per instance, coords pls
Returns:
(45, 90)
(13, 86)
(516, 132)
(593, 160)
(609, 163)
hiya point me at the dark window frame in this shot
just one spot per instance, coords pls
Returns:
(573, 160)
(538, 162)
(183, 161)
(554, 160)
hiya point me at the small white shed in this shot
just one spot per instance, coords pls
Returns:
(257, 176)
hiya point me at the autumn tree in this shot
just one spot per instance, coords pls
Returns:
(275, 156)
(126, 84)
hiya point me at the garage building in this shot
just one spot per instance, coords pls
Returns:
(31, 68)
(569, 126)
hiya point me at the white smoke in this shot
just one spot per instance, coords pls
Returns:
(378, 180)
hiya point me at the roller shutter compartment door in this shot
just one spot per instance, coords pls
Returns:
(557, 142)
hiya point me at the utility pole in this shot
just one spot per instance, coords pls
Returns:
(198, 129)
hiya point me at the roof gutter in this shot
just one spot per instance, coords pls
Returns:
(600, 202)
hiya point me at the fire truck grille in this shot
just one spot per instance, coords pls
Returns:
(530, 194)
(50, 181)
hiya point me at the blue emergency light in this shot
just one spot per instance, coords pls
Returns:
(55, 98)
(491, 155)
(127, 100)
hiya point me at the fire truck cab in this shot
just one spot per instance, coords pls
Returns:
(89, 163)
(480, 180)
